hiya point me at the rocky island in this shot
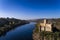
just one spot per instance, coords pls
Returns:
(6, 24)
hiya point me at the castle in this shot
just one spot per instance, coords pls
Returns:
(46, 26)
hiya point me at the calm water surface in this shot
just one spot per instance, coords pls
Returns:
(20, 33)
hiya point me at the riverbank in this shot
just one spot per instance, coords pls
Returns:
(3, 30)
(9, 24)
(45, 35)
(23, 32)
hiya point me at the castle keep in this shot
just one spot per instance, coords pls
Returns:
(45, 26)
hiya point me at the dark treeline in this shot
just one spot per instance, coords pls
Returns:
(7, 24)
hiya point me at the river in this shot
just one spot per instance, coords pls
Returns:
(20, 33)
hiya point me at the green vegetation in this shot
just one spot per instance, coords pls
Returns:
(45, 35)
(56, 21)
(37, 27)
(50, 35)
(7, 24)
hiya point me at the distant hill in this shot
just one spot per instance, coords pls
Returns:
(55, 21)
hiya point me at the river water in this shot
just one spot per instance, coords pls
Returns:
(20, 33)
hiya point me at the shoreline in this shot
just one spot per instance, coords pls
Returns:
(4, 30)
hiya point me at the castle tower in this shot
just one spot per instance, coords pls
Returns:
(44, 22)
(46, 26)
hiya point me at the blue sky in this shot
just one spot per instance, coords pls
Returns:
(30, 9)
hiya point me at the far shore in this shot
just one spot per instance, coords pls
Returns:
(9, 24)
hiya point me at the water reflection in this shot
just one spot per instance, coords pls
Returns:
(21, 33)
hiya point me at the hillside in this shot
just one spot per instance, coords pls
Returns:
(55, 21)
(7, 24)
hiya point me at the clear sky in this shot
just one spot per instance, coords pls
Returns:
(30, 9)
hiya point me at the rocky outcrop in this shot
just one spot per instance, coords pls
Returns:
(44, 35)
(36, 36)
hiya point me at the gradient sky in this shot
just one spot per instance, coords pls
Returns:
(30, 9)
